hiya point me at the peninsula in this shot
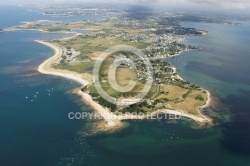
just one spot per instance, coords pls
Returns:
(75, 59)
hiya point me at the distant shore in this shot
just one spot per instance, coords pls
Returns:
(112, 120)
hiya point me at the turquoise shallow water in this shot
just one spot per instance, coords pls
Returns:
(38, 132)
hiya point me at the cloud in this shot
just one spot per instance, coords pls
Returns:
(214, 3)
(223, 3)
(238, 4)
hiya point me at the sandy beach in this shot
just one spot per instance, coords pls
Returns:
(201, 108)
(111, 120)
(46, 68)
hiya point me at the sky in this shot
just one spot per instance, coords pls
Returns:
(227, 4)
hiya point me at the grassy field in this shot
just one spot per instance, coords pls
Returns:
(124, 75)
(92, 47)
(182, 99)
(79, 67)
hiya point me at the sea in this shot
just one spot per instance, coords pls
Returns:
(35, 128)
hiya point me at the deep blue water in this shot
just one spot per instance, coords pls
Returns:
(223, 67)
(37, 131)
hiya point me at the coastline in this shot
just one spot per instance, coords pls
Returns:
(46, 68)
(112, 120)
(206, 105)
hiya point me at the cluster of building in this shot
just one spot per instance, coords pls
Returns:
(140, 66)
(70, 55)
(127, 22)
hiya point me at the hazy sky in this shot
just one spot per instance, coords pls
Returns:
(234, 4)
(219, 3)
